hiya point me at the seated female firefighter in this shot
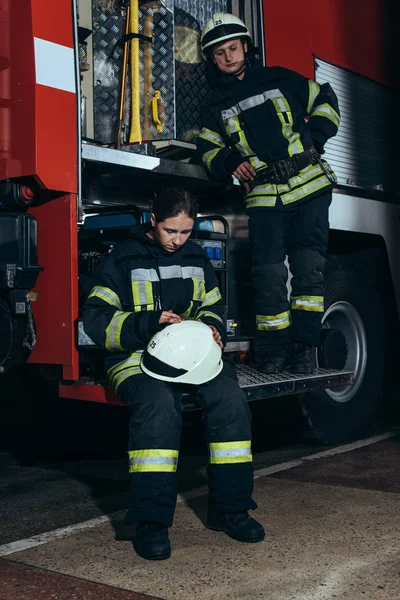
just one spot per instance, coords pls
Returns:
(156, 278)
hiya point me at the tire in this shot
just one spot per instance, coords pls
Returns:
(353, 339)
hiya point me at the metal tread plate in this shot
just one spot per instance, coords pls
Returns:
(258, 385)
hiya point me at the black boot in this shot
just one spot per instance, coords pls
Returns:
(152, 541)
(239, 526)
(302, 359)
(272, 364)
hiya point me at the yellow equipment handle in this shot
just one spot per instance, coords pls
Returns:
(154, 110)
(135, 135)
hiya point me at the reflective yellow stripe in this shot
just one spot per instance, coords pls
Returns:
(107, 295)
(209, 156)
(308, 303)
(199, 291)
(142, 292)
(273, 322)
(282, 108)
(307, 189)
(154, 460)
(325, 110)
(257, 163)
(230, 452)
(212, 297)
(207, 313)
(212, 136)
(127, 368)
(188, 311)
(313, 91)
(113, 331)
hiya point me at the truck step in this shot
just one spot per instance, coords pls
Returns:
(257, 385)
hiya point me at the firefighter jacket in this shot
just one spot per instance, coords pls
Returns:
(269, 115)
(134, 284)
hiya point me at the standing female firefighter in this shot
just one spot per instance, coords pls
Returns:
(155, 278)
(267, 126)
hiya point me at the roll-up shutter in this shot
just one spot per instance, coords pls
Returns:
(362, 153)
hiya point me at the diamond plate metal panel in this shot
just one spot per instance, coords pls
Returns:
(156, 70)
(191, 85)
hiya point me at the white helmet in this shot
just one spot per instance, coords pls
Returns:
(183, 353)
(222, 27)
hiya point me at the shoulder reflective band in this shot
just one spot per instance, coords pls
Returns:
(158, 367)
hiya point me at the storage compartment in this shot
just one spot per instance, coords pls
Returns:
(18, 251)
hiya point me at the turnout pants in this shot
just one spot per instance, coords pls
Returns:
(299, 232)
(154, 438)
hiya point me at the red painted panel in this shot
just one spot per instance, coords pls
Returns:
(56, 310)
(90, 393)
(52, 21)
(56, 139)
(17, 91)
(352, 34)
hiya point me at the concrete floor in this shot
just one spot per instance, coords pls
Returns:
(332, 531)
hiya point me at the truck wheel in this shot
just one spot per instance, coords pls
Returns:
(353, 338)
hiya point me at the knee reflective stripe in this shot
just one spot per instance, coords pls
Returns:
(272, 322)
(313, 91)
(142, 292)
(212, 297)
(153, 461)
(212, 136)
(223, 453)
(127, 368)
(107, 295)
(207, 313)
(284, 113)
(308, 303)
(113, 331)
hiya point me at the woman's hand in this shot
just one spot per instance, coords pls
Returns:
(167, 316)
(217, 336)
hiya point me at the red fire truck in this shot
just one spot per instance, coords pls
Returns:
(99, 108)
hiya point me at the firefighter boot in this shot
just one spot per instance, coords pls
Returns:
(302, 359)
(272, 364)
(239, 526)
(152, 541)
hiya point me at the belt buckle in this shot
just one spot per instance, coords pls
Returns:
(285, 169)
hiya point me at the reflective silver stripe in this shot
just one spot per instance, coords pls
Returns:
(113, 331)
(144, 275)
(313, 91)
(231, 125)
(172, 272)
(231, 452)
(306, 189)
(257, 163)
(118, 379)
(193, 272)
(250, 102)
(313, 303)
(324, 110)
(141, 287)
(107, 295)
(211, 136)
(153, 460)
(281, 105)
(272, 322)
(132, 361)
(212, 297)
(206, 313)
(252, 202)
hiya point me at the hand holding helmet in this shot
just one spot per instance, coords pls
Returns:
(184, 352)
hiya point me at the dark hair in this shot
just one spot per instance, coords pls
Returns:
(173, 201)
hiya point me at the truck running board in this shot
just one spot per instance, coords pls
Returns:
(257, 385)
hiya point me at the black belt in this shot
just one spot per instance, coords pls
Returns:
(282, 170)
